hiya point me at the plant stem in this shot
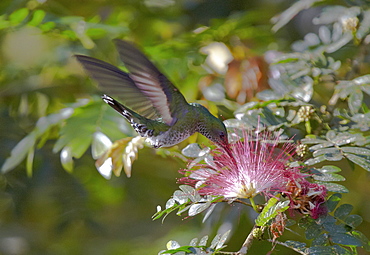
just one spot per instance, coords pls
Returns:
(308, 127)
(239, 201)
(248, 242)
(253, 204)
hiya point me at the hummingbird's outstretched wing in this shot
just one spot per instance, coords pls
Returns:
(118, 83)
(164, 96)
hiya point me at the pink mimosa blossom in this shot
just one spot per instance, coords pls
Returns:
(258, 165)
(253, 165)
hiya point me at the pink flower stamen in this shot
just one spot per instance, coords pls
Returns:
(258, 164)
(253, 165)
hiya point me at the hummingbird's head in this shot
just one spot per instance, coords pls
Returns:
(212, 128)
(217, 133)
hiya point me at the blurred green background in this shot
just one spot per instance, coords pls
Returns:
(53, 211)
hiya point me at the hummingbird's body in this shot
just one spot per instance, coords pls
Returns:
(151, 103)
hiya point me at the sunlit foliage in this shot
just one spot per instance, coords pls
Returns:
(300, 70)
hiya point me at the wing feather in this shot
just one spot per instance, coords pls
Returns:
(114, 81)
(165, 97)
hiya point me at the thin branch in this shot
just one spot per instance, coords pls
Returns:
(237, 201)
(259, 207)
(248, 242)
(290, 247)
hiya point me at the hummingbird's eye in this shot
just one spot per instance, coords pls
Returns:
(222, 135)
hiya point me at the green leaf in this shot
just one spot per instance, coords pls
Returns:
(320, 240)
(192, 150)
(364, 163)
(344, 138)
(366, 89)
(159, 214)
(313, 161)
(37, 18)
(183, 208)
(290, 222)
(66, 159)
(330, 135)
(329, 169)
(209, 212)
(353, 220)
(198, 208)
(334, 187)
(170, 203)
(180, 197)
(67, 20)
(345, 239)
(4, 22)
(69, 34)
(100, 144)
(356, 150)
(321, 145)
(191, 193)
(355, 101)
(328, 250)
(18, 16)
(78, 145)
(42, 128)
(203, 241)
(305, 222)
(29, 164)
(47, 26)
(338, 250)
(179, 249)
(311, 140)
(333, 201)
(216, 240)
(312, 231)
(271, 210)
(365, 79)
(331, 154)
(19, 152)
(363, 239)
(96, 33)
(79, 129)
(325, 151)
(329, 177)
(343, 211)
(44, 123)
(222, 240)
(345, 88)
(320, 250)
(194, 241)
(286, 60)
(331, 226)
(295, 244)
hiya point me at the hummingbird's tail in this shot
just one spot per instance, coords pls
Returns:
(118, 107)
(130, 115)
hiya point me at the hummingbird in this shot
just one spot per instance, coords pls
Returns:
(153, 106)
